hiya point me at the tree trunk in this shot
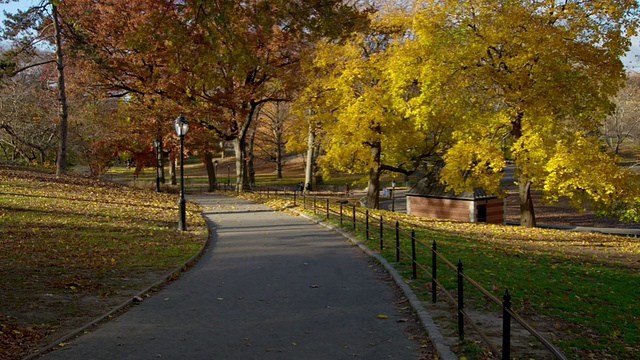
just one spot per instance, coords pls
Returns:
(373, 189)
(211, 171)
(308, 172)
(172, 172)
(527, 213)
(238, 146)
(162, 161)
(61, 163)
(251, 172)
(279, 155)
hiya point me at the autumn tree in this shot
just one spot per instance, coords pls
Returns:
(272, 130)
(27, 29)
(307, 134)
(219, 60)
(28, 126)
(364, 129)
(529, 81)
(623, 124)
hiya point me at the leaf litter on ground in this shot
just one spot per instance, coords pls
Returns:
(73, 247)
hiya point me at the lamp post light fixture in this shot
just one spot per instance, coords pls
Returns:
(393, 195)
(181, 126)
(156, 145)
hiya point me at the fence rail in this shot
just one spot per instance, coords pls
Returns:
(362, 221)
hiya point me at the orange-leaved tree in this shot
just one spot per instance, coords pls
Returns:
(219, 60)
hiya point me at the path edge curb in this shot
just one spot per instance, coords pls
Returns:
(444, 352)
(161, 282)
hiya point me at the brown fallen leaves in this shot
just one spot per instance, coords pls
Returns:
(73, 247)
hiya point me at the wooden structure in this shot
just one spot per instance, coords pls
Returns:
(430, 199)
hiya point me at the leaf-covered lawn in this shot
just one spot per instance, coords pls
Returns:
(71, 248)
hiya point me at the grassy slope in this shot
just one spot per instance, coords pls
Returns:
(72, 248)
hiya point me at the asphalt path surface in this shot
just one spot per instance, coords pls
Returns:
(269, 286)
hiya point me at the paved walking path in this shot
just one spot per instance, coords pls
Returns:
(270, 286)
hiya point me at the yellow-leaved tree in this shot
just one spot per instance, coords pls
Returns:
(348, 94)
(528, 81)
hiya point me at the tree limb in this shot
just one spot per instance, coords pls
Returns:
(32, 65)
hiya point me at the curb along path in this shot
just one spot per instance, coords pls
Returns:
(270, 286)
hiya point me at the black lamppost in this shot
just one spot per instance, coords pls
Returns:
(228, 174)
(181, 126)
(393, 195)
(156, 145)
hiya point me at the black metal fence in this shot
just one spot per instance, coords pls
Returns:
(404, 245)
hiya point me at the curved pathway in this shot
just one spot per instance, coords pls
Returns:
(270, 286)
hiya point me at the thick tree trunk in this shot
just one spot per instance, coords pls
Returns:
(211, 171)
(238, 147)
(527, 213)
(61, 163)
(373, 190)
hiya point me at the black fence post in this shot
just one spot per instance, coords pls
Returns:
(397, 241)
(414, 266)
(381, 235)
(327, 208)
(366, 225)
(354, 218)
(506, 325)
(460, 301)
(434, 271)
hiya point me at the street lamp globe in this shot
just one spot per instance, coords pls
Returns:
(181, 126)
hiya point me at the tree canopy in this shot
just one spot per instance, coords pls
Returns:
(527, 82)
(217, 60)
(530, 77)
(464, 87)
